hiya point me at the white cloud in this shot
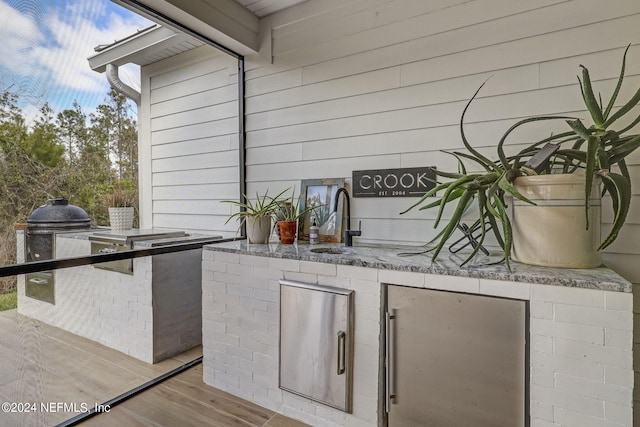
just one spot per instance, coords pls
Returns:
(19, 34)
(49, 46)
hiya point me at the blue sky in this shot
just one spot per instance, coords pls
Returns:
(44, 46)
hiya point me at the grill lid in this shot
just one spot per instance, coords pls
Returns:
(58, 211)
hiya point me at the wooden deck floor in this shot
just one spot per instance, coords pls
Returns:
(50, 368)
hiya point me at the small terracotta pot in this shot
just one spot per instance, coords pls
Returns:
(288, 231)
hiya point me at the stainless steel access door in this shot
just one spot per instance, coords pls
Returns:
(316, 342)
(455, 359)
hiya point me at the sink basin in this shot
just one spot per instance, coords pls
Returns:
(330, 251)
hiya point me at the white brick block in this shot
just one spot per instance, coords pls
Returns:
(207, 254)
(318, 268)
(367, 300)
(284, 264)
(594, 316)
(572, 418)
(505, 289)
(299, 403)
(541, 411)
(226, 277)
(301, 277)
(241, 353)
(365, 287)
(618, 376)
(543, 377)
(247, 278)
(406, 278)
(365, 315)
(541, 343)
(560, 399)
(578, 368)
(536, 422)
(228, 257)
(596, 390)
(338, 282)
(365, 408)
(256, 261)
(360, 273)
(274, 395)
(240, 290)
(593, 353)
(267, 273)
(618, 413)
(618, 338)
(567, 295)
(452, 283)
(541, 310)
(331, 415)
(224, 338)
(618, 301)
(236, 268)
(267, 295)
(570, 331)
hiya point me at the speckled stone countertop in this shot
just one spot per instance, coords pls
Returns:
(389, 258)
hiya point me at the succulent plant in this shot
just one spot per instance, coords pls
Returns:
(591, 150)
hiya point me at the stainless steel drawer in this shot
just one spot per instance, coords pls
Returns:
(109, 247)
(316, 343)
(40, 286)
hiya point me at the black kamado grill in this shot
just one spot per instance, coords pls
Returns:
(47, 220)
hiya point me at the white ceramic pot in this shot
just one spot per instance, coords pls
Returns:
(258, 229)
(121, 219)
(553, 232)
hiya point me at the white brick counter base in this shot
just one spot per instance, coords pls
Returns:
(580, 339)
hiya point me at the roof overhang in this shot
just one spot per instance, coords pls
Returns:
(224, 22)
(147, 46)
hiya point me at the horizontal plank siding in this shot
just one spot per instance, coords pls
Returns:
(194, 142)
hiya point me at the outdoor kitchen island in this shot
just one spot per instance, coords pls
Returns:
(148, 307)
(578, 328)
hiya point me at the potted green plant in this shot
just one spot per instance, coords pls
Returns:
(588, 153)
(256, 215)
(121, 208)
(287, 215)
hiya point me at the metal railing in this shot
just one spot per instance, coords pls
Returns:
(55, 264)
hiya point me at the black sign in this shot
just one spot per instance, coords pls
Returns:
(404, 182)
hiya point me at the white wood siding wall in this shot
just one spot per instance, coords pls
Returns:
(381, 84)
(193, 142)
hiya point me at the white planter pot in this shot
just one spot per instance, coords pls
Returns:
(553, 233)
(121, 219)
(258, 229)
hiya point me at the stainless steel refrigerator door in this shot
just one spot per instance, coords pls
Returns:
(455, 359)
(316, 342)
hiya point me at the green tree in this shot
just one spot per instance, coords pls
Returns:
(42, 143)
(62, 154)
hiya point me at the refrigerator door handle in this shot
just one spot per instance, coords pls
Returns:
(389, 362)
(341, 352)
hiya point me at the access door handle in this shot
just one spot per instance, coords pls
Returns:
(38, 281)
(389, 351)
(342, 340)
(107, 251)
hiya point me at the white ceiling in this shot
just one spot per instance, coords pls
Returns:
(262, 8)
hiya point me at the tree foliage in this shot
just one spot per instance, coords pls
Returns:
(83, 158)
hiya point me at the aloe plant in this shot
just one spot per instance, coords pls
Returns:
(592, 150)
(264, 205)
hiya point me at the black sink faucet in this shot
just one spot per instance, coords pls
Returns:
(348, 233)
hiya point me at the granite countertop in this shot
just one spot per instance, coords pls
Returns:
(389, 258)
